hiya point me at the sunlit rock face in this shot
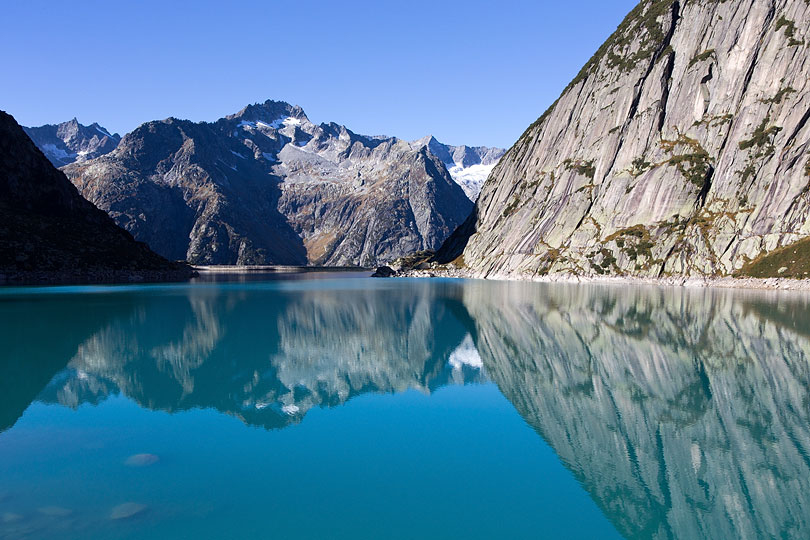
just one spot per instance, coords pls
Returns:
(681, 148)
(683, 413)
(267, 186)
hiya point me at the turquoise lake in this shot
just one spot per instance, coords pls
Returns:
(339, 406)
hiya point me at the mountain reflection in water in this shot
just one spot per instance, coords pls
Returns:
(683, 413)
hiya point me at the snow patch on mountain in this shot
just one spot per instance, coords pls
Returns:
(103, 131)
(56, 154)
(472, 178)
(469, 166)
(71, 141)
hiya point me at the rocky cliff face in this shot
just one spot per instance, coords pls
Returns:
(681, 148)
(267, 186)
(48, 232)
(70, 141)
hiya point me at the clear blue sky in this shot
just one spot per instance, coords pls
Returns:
(467, 72)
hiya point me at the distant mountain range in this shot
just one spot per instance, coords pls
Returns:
(70, 141)
(267, 186)
(48, 232)
(469, 166)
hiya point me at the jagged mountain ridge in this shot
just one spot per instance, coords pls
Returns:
(681, 148)
(48, 232)
(71, 141)
(468, 165)
(267, 186)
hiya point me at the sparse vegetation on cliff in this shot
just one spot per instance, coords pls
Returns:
(689, 157)
(585, 168)
(792, 261)
(790, 31)
(705, 55)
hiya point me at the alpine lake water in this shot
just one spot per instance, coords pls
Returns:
(338, 406)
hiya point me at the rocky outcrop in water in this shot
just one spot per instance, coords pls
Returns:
(71, 141)
(681, 148)
(267, 186)
(49, 233)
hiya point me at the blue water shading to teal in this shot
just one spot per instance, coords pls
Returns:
(336, 406)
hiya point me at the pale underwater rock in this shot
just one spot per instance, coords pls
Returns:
(10, 517)
(127, 510)
(55, 511)
(141, 460)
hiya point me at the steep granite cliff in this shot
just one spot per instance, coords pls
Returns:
(48, 232)
(267, 186)
(681, 148)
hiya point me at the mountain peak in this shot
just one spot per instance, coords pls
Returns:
(267, 186)
(51, 233)
(269, 111)
(468, 166)
(71, 141)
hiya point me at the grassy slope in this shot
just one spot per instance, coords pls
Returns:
(795, 258)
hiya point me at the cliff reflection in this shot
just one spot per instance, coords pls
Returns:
(684, 413)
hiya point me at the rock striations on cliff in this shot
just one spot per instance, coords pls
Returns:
(267, 186)
(71, 141)
(48, 232)
(681, 148)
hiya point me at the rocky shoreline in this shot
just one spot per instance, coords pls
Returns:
(680, 281)
(274, 269)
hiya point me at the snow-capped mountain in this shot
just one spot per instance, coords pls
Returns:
(469, 166)
(267, 186)
(71, 141)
